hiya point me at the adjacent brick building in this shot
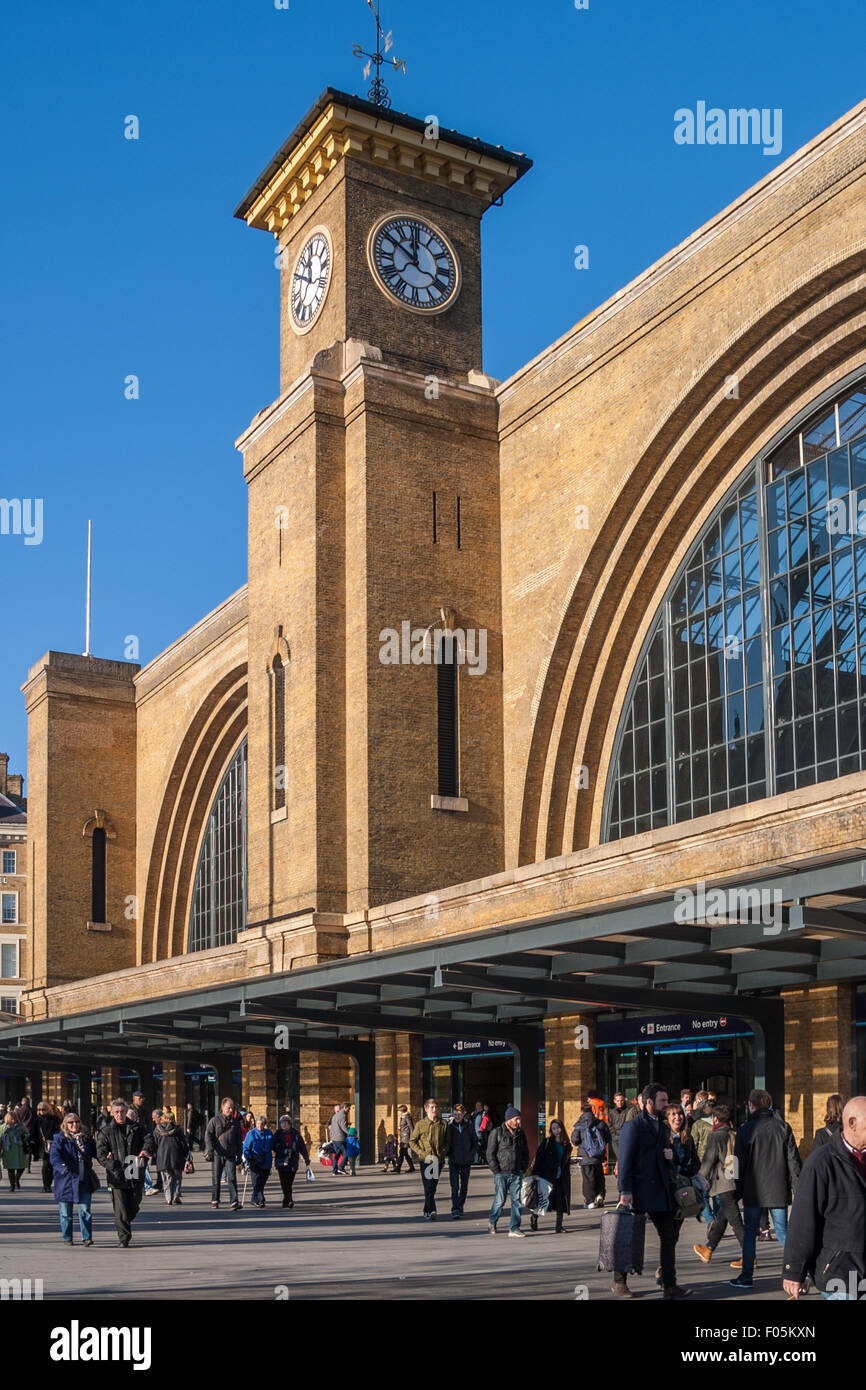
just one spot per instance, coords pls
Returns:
(637, 528)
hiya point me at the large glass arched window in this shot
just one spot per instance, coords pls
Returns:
(763, 629)
(219, 899)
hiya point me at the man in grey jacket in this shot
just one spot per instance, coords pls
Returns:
(339, 1135)
(405, 1125)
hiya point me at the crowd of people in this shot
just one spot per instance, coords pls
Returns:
(671, 1161)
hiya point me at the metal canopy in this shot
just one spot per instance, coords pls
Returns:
(495, 984)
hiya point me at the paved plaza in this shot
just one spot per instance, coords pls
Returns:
(347, 1238)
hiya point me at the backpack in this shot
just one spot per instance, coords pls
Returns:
(593, 1144)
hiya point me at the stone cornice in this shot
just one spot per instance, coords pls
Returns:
(343, 130)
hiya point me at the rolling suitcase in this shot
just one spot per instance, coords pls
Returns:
(621, 1242)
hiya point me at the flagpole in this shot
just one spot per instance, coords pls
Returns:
(87, 601)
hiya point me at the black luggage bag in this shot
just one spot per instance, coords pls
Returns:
(622, 1238)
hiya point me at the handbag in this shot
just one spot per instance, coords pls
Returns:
(688, 1197)
(189, 1167)
(311, 1177)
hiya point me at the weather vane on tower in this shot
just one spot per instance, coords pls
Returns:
(378, 92)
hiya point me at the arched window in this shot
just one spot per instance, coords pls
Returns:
(752, 679)
(278, 701)
(219, 899)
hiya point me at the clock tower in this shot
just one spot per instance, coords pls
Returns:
(373, 484)
(377, 219)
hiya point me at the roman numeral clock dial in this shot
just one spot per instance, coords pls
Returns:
(310, 280)
(413, 263)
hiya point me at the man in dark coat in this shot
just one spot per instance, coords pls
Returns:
(120, 1150)
(827, 1231)
(47, 1126)
(223, 1145)
(645, 1183)
(767, 1164)
(463, 1146)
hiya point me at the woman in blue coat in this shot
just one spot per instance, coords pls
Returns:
(258, 1155)
(71, 1156)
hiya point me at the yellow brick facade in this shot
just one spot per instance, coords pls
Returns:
(581, 481)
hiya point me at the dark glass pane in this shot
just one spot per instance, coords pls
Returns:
(801, 598)
(695, 591)
(737, 764)
(823, 625)
(737, 796)
(802, 634)
(751, 565)
(837, 469)
(718, 770)
(798, 544)
(659, 788)
(784, 782)
(782, 698)
(849, 764)
(749, 517)
(681, 688)
(752, 613)
(803, 691)
(715, 675)
(678, 601)
(755, 753)
(626, 755)
(777, 512)
(780, 644)
(682, 723)
(780, 609)
(642, 823)
(698, 672)
(699, 728)
(733, 572)
(736, 716)
(820, 435)
(806, 775)
(678, 635)
(660, 817)
(641, 705)
(658, 743)
(860, 568)
(804, 742)
(785, 750)
(796, 494)
(777, 543)
(843, 573)
(700, 776)
(852, 414)
(717, 721)
(719, 801)
(825, 744)
(734, 664)
(697, 638)
(847, 716)
(816, 475)
(682, 780)
(730, 527)
(642, 794)
(626, 799)
(819, 536)
(641, 748)
(754, 661)
(656, 657)
(714, 586)
(754, 709)
(614, 805)
(701, 808)
(757, 790)
(684, 811)
(858, 464)
(786, 456)
(657, 697)
(712, 543)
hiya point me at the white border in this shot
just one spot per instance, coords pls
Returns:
(389, 295)
(314, 231)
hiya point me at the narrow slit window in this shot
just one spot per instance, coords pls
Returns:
(97, 877)
(459, 532)
(279, 699)
(447, 724)
(434, 519)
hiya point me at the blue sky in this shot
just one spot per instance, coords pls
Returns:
(122, 257)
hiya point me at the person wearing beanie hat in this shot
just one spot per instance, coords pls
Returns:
(508, 1160)
(288, 1149)
(353, 1148)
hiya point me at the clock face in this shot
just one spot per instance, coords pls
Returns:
(310, 280)
(414, 263)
